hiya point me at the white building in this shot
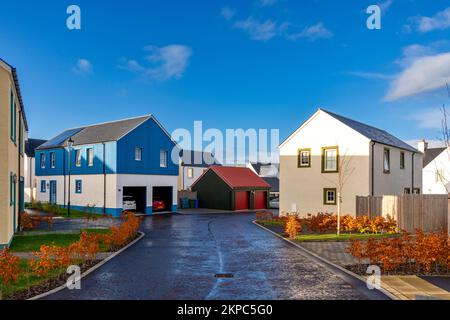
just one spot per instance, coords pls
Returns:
(192, 165)
(30, 169)
(329, 149)
(436, 169)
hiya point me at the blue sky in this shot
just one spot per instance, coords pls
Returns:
(232, 64)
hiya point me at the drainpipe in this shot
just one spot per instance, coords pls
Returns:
(412, 173)
(372, 191)
(104, 178)
(64, 174)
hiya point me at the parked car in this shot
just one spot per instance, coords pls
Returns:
(158, 204)
(274, 203)
(129, 203)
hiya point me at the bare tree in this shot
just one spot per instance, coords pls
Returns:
(440, 174)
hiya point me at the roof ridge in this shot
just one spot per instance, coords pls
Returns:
(109, 122)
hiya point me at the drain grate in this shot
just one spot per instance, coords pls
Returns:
(224, 275)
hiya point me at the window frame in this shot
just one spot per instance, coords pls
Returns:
(324, 151)
(89, 152)
(166, 155)
(136, 149)
(43, 160)
(402, 160)
(77, 155)
(190, 173)
(407, 191)
(416, 191)
(325, 196)
(52, 160)
(78, 186)
(43, 186)
(387, 171)
(300, 158)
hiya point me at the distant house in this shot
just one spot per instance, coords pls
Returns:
(110, 165)
(192, 166)
(436, 169)
(231, 188)
(13, 134)
(270, 174)
(329, 150)
(30, 168)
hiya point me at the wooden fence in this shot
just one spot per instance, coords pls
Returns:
(426, 212)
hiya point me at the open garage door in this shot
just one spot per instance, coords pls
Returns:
(260, 200)
(135, 199)
(162, 199)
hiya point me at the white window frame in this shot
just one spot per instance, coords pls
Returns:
(163, 155)
(387, 160)
(138, 154)
(326, 159)
(327, 193)
(52, 160)
(77, 157)
(90, 157)
(190, 173)
(307, 153)
(42, 160)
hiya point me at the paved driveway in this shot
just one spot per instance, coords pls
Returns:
(181, 254)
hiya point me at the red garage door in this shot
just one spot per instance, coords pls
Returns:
(241, 200)
(260, 200)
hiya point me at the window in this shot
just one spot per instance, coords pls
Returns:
(330, 159)
(329, 196)
(78, 186)
(11, 189)
(163, 159)
(15, 123)
(90, 156)
(402, 160)
(52, 160)
(190, 173)
(387, 161)
(43, 186)
(416, 191)
(304, 158)
(20, 137)
(138, 154)
(11, 118)
(43, 160)
(407, 191)
(439, 175)
(78, 158)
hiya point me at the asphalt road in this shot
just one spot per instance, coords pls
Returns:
(181, 254)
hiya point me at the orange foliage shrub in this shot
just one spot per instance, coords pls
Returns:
(418, 253)
(49, 258)
(293, 227)
(123, 233)
(9, 267)
(87, 247)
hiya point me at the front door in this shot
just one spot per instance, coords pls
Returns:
(52, 192)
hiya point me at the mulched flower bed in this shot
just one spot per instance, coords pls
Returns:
(406, 270)
(50, 284)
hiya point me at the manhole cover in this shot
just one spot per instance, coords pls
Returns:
(223, 275)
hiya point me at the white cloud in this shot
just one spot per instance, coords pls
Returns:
(83, 67)
(424, 74)
(165, 63)
(369, 75)
(258, 30)
(227, 13)
(314, 32)
(439, 21)
(384, 6)
(428, 118)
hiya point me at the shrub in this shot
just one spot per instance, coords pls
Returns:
(123, 233)
(9, 267)
(87, 247)
(293, 227)
(264, 215)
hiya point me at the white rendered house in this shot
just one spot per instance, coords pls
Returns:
(436, 169)
(330, 154)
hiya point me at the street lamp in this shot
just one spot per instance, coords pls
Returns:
(70, 145)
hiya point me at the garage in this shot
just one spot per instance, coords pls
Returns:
(162, 199)
(135, 199)
(231, 188)
(260, 200)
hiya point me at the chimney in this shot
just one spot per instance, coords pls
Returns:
(423, 146)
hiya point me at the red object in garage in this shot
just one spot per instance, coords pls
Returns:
(260, 200)
(242, 199)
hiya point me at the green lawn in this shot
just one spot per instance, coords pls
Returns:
(27, 243)
(271, 223)
(342, 237)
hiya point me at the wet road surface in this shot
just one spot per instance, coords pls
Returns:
(181, 254)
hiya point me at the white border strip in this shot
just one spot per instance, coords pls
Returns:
(386, 292)
(98, 265)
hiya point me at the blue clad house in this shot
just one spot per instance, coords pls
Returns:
(100, 168)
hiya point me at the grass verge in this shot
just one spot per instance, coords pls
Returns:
(342, 237)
